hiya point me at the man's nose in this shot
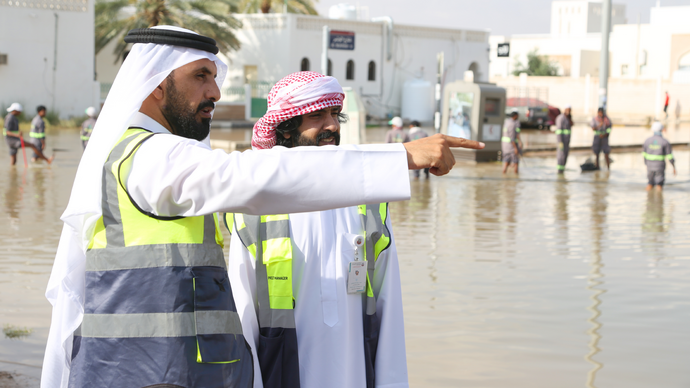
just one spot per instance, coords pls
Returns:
(213, 93)
(332, 123)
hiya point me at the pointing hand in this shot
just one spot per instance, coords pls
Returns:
(434, 152)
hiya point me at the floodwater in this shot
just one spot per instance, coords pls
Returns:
(529, 281)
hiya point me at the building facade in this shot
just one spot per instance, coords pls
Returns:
(382, 57)
(47, 55)
(658, 49)
(376, 60)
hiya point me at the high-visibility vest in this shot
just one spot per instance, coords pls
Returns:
(158, 307)
(268, 239)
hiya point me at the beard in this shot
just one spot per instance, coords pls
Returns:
(181, 118)
(302, 140)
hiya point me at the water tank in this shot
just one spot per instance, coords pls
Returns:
(418, 100)
(343, 12)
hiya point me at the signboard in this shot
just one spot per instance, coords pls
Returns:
(503, 50)
(342, 40)
(491, 132)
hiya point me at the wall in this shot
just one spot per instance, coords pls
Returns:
(680, 45)
(629, 101)
(27, 35)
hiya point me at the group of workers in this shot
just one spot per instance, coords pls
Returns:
(141, 293)
(13, 136)
(37, 142)
(656, 149)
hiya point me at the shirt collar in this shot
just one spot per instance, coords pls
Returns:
(141, 120)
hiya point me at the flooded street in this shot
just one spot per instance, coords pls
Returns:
(529, 281)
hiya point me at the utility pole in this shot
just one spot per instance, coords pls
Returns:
(324, 53)
(439, 81)
(604, 53)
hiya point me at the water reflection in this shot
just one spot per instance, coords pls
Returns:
(39, 188)
(562, 196)
(595, 279)
(14, 193)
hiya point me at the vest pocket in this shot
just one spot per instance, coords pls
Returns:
(277, 354)
(218, 327)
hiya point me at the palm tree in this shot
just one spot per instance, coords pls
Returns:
(305, 7)
(212, 18)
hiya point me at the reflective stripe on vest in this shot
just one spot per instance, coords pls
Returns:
(273, 266)
(37, 135)
(657, 158)
(161, 282)
(376, 241)
(563, 132)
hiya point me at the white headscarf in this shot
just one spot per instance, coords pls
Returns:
(146, 66)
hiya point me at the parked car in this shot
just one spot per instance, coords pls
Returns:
(533, 113)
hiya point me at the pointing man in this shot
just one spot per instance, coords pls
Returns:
(140, 290)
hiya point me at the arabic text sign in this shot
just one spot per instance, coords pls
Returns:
(342, 40)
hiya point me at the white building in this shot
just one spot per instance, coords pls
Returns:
(660, 49)
(275, 45)
(47, 55)
(573, 43)
(376, 67)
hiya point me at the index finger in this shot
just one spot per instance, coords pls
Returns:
(463, 143)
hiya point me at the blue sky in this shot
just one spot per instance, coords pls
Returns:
(502, 17)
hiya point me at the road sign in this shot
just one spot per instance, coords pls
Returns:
(342, 40)
(503, 50)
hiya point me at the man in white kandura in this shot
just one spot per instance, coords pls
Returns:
(139, 287)
(318, 293)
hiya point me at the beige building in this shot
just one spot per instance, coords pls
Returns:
(645, 61)
(660, 48)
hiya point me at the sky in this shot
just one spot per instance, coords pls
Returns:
(502, 17)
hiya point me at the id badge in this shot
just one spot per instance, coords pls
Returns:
(357, 270)
(357, 277)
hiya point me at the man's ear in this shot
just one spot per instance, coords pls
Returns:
(158, 93)
(287, 134)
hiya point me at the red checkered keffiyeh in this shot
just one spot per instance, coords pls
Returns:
(295, 95)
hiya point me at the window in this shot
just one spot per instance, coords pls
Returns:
(624, 69)
(329, 71)
(304, 65)
(684, 62)
(643, 69)
(372, 71)
(350, 70)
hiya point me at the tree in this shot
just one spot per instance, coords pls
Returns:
(305, 7)
(537, 65)
(212, 18)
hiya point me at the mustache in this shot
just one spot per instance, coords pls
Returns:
(206, 104)
(326, 134)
